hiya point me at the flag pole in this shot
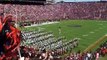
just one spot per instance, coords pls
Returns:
(18, 49)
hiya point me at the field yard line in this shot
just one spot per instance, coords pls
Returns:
(45, 23)
(95, 43)
(92, 32)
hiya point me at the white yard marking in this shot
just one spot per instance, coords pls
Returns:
(92, 32)
(105, 34)
(45, 23)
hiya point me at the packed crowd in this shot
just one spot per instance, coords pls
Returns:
(96, 55)
(81, 10)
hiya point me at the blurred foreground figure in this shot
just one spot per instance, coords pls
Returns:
(9, 37)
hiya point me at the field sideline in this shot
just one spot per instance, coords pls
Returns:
(88, 31)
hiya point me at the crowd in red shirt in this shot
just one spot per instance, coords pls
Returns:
(81, 10)
(95, 55)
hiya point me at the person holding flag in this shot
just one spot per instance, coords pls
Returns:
(9, 37)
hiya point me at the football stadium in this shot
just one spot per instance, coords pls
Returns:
(53, 30)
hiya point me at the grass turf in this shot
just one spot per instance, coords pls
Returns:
(88, 31)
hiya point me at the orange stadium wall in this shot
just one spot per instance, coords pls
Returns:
(80, 10)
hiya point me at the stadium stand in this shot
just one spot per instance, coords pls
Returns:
(42, 13)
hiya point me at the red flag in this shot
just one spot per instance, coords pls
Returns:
(13, 36)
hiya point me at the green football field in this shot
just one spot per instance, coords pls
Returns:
(88, 31)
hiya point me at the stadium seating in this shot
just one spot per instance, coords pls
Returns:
(59, 11)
